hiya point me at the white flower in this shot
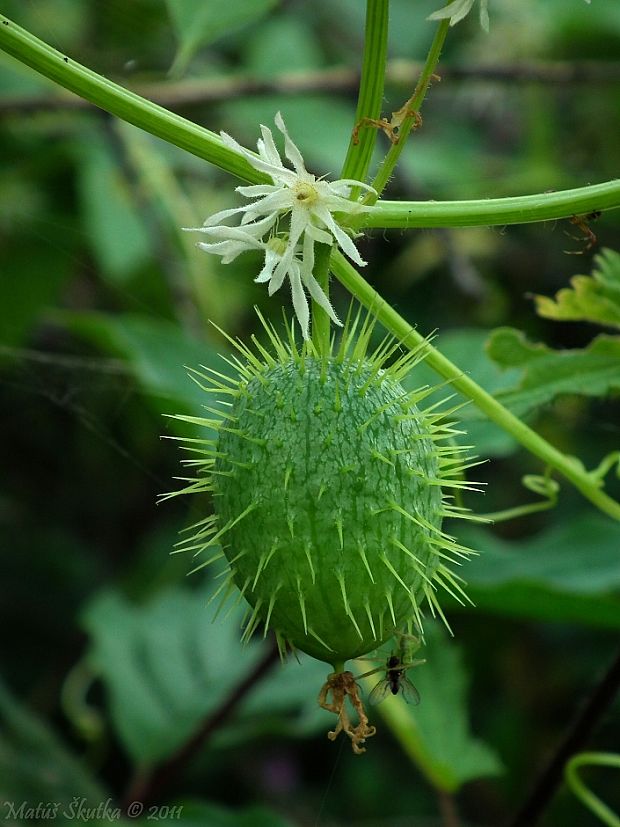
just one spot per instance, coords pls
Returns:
(285, 220)
(458, 9)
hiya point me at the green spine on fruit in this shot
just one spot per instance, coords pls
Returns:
(328, 481)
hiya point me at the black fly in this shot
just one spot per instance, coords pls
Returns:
(396, 667)
(395, 681)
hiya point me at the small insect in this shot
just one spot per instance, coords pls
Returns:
(588, 237)
(391, 127)
(395, 681)
(396, 667)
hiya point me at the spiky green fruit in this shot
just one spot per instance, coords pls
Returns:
(328, 481)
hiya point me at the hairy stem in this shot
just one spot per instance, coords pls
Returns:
(413, 105)
(569, 467)
(370, 96)
(205, 144)
(321, 323)
(521, 209)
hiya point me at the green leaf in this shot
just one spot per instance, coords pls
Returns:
(569, 573)
(166, 666)
(436, 733)
(466, 347)
(35, 766)
(111, 217)
(594, 298)
(198, 23)
(548, 373)
(156, 350)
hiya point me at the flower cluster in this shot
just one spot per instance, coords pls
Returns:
(285, 220)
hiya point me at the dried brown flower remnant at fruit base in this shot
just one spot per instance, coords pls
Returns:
(342, 686)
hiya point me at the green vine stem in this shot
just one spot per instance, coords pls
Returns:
(370, 97)
(203, 143)
(412, 107)
(126, 105)
(585, 795)
(321, 323)
(404, 730)
(544, 486)
(569, 467)
(360, 150)
(493, 212)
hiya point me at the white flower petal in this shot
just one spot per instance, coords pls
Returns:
(258, 228)
(338, 203)
(235, 234)
(281, 271)
(297, 228)
(352, 184)
(318, 295)
(277, 173)
(319, 235)
(344, 241)
(300, 302)
(282, 200)
(256, 190)
(271, 259)
(218, 217)
(227, 250)
(285, 220)
(292, 152)
(269, 148)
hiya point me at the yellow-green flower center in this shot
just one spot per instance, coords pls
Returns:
(305, 193)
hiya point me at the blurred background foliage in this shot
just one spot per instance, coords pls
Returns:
(111, 662)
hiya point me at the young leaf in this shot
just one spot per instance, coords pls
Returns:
(547, 373)
(594, 298)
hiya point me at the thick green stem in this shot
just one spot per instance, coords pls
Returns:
(205, 144)
(569, 467)
(370, 97)
(521, 209)
(320, 320)
(412, 107)
(120, 102)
